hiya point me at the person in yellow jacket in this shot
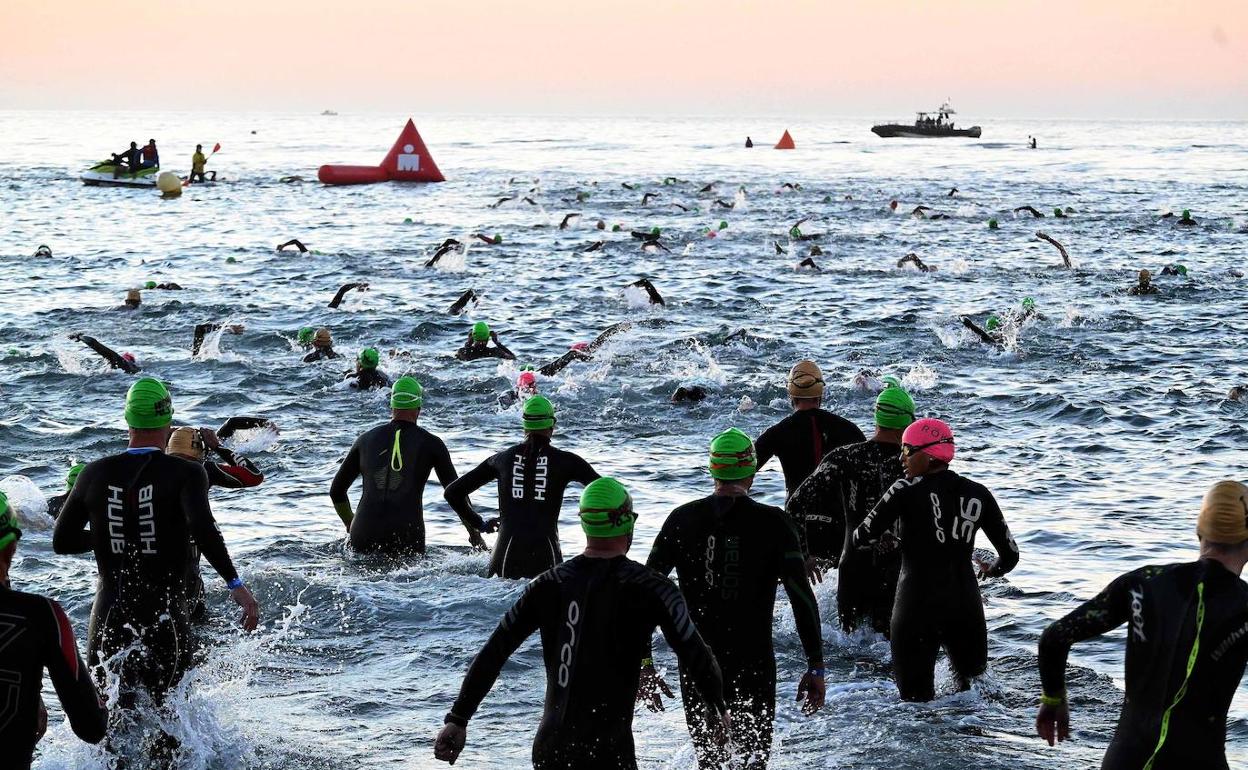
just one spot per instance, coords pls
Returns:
(197, 165)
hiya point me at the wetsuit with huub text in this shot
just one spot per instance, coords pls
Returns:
(801, 440)
(729, 554)
(1187, 642)
(532, 477)
(938, 600)
(594, 615)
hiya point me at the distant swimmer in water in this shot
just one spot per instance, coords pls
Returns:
(526, 388)
(913, 259)
(654, 246)
(204, 329)
(570, 220)
(293, 242)
(584, 351)
(393, 461)
(342, 291)
(790, 186)
(952, 192)
(595, 246)
(1144, 285)
(937, 514)
(815, 251)
(688, 394)
(532, 477)
(749, 142)
(646, 235)
(1033, 142)
(458, 305)
(779, 249)
(289, 179)
(990, 332)
(1030, 210)
(43, 252)
(56, 501)
(1060, 248)
(1185, 649)
(808, 264)
(651, 292)
(477, 345)
(366, 375)
(719, 203)
(1059, 213)
(134, 299)
(1186, 220)
(1175, 269)
(594, 612)
(322, 347)
(167, 286)
(1237, 393)
(449, 246)
(647, 197)
(489, 240)
(125, 361)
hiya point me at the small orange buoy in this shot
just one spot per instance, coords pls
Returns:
(786, 142)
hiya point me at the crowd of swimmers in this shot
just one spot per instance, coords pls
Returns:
(887, 512)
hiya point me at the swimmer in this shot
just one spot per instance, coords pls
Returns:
(709, 188)
(748, 142)
(289, 180)
(366, 375)
(293, 242)
(138, 511)
(204, 329)
(808, 264)
(168, 286)
(449, 246)
(584, 351)
(458, 305)
(1175, 269)
(920, 212)
(1058, 213)
(394, 461)
(836, 497)
(805, 436)
(125, 361)
(1030, 210)
(477, 345)
(654, 247)
(57, 501)
(1033, 142)
(322, 347)
(728, 539)
(937, 514)
(595, 246)
(1144, 285)
(570, 220)
(616, 604)
(688, 394)
(489, 240)
(789, 186)
(532, 477)
(38, 636)
(1060, 248)
(867, 381)
(719, 203)
(989, 333)
(43, 252)
(651, 292)
(952, 192)
(628, 186)
(134, 298)
(1186, 647)
(1237, 393)
(913, 259)
(526, 388)
(1186, 220)
(342, 290)
(243, 422)
(779, 248)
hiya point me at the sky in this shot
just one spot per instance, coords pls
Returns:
(993, 58)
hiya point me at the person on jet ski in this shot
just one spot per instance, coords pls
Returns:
(127, 161)
(151, 158)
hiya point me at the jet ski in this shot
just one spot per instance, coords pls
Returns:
(106, 173)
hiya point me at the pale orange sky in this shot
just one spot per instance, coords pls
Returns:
(1042, 58)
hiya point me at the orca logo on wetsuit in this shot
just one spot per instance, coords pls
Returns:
(1137, 614)
(565, 652)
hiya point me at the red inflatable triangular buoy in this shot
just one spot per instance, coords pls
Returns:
(409, 159)
(786, 142)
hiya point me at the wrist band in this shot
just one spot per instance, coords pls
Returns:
(647, 662)
(819, 672)
(235, 583)
(1052, 700)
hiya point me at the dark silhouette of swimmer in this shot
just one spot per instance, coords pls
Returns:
(1030, 210)
(203, 330)
(779, 249)
(449, 246)
(1060, 248)
(645, 235)
(913, 259)
(1033, 143)
(809, 264)
(290, 179)
(719, 203)
(170, 286)
(1175, 269)
(43, 251)
(790, 186)
(1186, 220)
(645, 199)
(458, 306)
(991, 335)
(687, 395)
(342, 291)
(477, 345)
(681, 206)
(628, 186)
(653, 293)
(133, 300)
(489, 240)
(1237, 393)
(1144, 285)
(243, 422)
(952, 192)
(749, 142)
(293, 242)
(654, 246)
(815, 251)
(568, 219)
(584, 352)
(709, 188)
(595, 246)
(124, 362)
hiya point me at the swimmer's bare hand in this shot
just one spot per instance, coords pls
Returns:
(235, 328)
(813, 572)
(1053, 723)
(76, 336)
(41, 721)
(651, 688)
(251, 610)
(450, 742)
(887, 543)
(720, 726)
(983, 567)
(811, 689)
(477, 542)
(210, 438)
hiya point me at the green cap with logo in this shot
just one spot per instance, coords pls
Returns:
(606, 509)
(10, 532)
(539, 413)
(148, 404)
(732, 456)
(407, 393)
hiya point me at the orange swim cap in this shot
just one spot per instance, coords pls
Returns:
(1224, 514)
(805, 380)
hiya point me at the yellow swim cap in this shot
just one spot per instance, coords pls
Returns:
(805, 380)
(322, 338)
(1224, 514)
(186, 442)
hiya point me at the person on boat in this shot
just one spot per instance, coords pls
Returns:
(124, 361)
(477, 345)
(322, 347)
(1144, 285)
(197, 166)
(126, 161)
(150, 157)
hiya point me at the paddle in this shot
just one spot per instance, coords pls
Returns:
(215, 147)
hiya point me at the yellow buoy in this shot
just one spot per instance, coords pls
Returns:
(169, 184)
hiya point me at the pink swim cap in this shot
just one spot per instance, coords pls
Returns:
(526, 381)
(932, 436)
(580, 345)
(128, 356)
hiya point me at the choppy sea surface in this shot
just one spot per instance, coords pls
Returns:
(1098, 427)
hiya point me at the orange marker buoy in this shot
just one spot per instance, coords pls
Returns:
(786, 142)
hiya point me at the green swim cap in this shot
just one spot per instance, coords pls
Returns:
(894, 408)
(306, 334)
(539, 413)
(992, 323)
(10, 532)
(368, 358)
(71, 478)
(1181, 270)
(723, 224)
(1057, 212)
(148, 404)
(654, 231)
(795, 232)
(407, 394)
(480, 331)
(606, 509)
(992, 224)
(1029, 303)
(149, 285)
(732, 456)
(407, 220)
(230, 260)
(1187, 213)
(498, 238)
(615, 228)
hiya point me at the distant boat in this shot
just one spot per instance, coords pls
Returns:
(926, 126)
(329, 112)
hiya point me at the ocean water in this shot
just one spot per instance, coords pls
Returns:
(1098, 428)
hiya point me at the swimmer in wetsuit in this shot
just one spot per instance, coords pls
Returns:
(804, 437)
(913, 259)
(989, 333)
(394, 461)
(1186, 647)
(584, 351)
(322, 347)
(458, 305)
(57, 501)
(937, 513)
(204, 329)
(342, 292)
(1144, 285)
(651, 292)
(143, 508)
(1060, 248)
(526, 388)
(532, 477)
(37, 635)
(293, 241)
(366, 375)
(729, 553)
(449, 246)
(834, 500)
(477, 345)
(123, 361)
(594, 611)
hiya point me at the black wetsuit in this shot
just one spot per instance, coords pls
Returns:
(114, 360)
(476, 352)
(35, 634)
(1161, 605)
(827, 508)
(143, 508)
(594, 615)
(801, 440)
(319, 354)
(235, 473)
(532, 477)
(55, 503)
(367, 379)
(729, 553)
(938, 601)
(390, 516)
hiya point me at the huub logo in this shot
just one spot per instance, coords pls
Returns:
(1137, 614)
